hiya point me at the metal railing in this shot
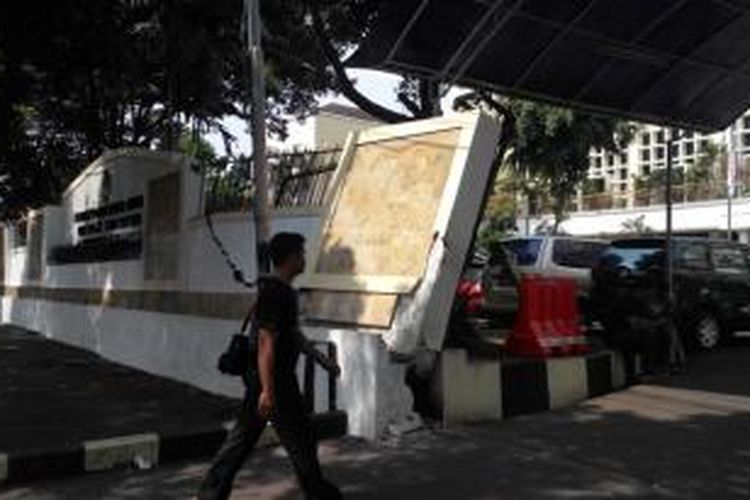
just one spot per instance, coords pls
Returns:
(297, 179)
(681, 194)
(305, 189)
(308, 383)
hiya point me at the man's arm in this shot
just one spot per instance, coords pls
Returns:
(266, 367)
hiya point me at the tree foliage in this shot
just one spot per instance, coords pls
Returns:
(90, 76)
(551, 148)
(100, 75)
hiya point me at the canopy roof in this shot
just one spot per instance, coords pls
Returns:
(684, 63)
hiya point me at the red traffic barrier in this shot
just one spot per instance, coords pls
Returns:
(547, 323)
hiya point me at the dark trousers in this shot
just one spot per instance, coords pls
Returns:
(294, 428)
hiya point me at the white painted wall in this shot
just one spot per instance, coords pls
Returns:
(332, 130)
(689, 217)
(181, 347)
(371, 389)
(206, 269)
(322, 131)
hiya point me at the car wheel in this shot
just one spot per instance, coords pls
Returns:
(706, 332)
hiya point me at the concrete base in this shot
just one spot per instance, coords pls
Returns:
(469, 389)
(372, 388)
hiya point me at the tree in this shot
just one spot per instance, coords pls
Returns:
(99, 75)
(552, 146)
(499, 218)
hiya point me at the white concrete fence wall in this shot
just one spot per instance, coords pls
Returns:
(78, 303)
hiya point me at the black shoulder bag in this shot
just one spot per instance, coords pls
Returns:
(241, 353)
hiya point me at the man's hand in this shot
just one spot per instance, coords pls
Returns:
(330, 365)
(266, 405)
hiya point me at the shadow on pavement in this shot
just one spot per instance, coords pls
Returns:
(686, 437)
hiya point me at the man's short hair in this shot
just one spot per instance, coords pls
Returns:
(283, 245)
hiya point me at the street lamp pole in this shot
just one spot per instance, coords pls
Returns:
(258, 129)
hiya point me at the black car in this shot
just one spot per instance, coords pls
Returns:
(711, 287)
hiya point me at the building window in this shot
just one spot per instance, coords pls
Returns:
(646, 155)
(623, 173)
(704, 146)
(646, 170)
(689, 148)
(659, 153)
(660, 137)
(645, 138)
(746, 140)
(610, 160)
(623, 188)
(746, 122)
(598, 162)
(675, 150)
(623, 158)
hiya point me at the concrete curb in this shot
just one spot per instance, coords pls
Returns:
(141, 451)
(471, 389)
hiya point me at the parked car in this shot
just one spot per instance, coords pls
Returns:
(556, 256)
(488, 289)
(711, 287)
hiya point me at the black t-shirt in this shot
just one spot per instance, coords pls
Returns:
(277, 310)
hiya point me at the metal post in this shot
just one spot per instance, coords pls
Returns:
(258, 129)
(668, 242)
(676, 349)
(731, 168)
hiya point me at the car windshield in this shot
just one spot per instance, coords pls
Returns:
(526, 250)
(577, 253)
(729, 259)
(632, 258)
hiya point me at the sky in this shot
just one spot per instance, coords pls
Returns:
(379, 86)
(376, 85)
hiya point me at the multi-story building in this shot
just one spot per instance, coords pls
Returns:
(625, 186)
(616, 175)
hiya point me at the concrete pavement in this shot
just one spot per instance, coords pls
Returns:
(64, 410)
(687, 437)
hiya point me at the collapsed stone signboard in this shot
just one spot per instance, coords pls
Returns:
(397, 227)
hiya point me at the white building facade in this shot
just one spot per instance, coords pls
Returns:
(618, 192)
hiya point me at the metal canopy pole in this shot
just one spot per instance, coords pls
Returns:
(676, 349)
(668, 194)
(258, 130)
(731, 172)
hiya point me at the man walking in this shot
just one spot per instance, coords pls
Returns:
(275, 396)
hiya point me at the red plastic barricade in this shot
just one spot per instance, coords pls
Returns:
(547, 323)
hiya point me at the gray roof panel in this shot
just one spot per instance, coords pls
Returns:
(679, 62)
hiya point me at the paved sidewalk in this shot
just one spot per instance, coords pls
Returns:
(58, 403)
(54, 395)
(607, 448)
(681, 438)
(687, 437)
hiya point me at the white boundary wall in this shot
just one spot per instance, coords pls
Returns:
(180, 347)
